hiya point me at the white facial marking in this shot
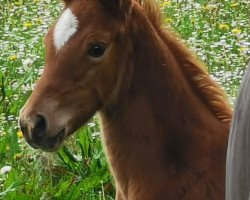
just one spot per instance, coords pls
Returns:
(65, 28)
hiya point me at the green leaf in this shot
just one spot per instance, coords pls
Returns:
(84, 141)
(11, 188)
(14, 146)
(63, 187)
(67, 158)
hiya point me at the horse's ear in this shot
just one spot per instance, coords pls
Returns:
(123, 6)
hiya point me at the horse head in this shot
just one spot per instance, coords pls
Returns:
(86, 52)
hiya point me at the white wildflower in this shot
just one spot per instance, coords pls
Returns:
(5, 170)
(27, 63)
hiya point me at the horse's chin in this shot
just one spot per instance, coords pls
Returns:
(49, 144)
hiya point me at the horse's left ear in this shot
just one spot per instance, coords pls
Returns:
(123, 6)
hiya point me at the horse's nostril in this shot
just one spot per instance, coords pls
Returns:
(40, 127)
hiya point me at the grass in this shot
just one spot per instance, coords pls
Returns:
(218, 31)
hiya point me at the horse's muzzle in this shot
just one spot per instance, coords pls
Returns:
(37, 135)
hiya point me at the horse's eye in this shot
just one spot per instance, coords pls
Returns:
(97, 50)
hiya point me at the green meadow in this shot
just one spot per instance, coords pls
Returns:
(218, 31)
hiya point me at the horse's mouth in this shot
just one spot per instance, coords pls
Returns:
(49, 144)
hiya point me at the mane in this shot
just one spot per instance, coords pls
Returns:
(194, 71)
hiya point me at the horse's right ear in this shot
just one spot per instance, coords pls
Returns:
(122, 6)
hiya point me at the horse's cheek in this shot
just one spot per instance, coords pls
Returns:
(106, 81)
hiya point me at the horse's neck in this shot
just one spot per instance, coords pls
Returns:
(160, 113)
(161, 123)
(153, 143)
(161, 132)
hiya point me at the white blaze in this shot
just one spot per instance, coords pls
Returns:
(65, 28)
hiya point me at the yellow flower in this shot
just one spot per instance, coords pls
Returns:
(236, 31)
(165, 3)
(234, 4)
(18, 3)
(192, 19)
(17, 156)
(242, 49)
(223, 26)
(13, 57)
(168, 20)
(27, 24)
(39, 20)
(7, 148)
(19, 134)
(210, 7)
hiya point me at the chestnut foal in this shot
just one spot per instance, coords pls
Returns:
(165, 122)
